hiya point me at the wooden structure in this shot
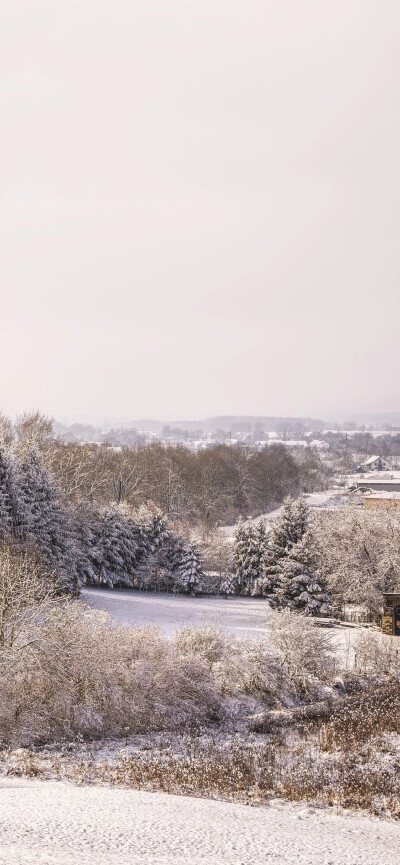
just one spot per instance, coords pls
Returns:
(391, 614)
(384, 500)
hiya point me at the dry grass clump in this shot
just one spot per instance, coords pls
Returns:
(362, 717)
(204, 769)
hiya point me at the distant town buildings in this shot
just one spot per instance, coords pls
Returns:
(374, 464)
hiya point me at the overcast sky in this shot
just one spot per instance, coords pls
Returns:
(199, 207)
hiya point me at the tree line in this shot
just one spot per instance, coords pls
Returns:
(212, 487)
(111, 545)
(317, 563)
(136, 517)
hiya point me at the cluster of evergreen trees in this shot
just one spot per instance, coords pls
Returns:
(112, 546)
(277, 565)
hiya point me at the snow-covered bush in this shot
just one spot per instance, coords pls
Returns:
(27, 593)
(208, 643)
(306, 651)
(376, 654)
(77, 675)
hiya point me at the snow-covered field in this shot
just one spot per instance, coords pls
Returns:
(54, 823)
(244, 617)
(240, 616)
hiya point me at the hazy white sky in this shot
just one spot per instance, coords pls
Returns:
(199, 206)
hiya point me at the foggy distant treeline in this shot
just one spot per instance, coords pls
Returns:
(214, 486)
(123, 433)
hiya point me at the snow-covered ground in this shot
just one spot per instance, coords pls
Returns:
(55, 823)
(240, 616)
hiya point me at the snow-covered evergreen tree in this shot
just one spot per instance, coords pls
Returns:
(190, 574)
(115, 547)
(289, 528)
(300, 589)
(155, 571)
(289, 579)
(157, 530)
(261, 584)
(44, 523)
(249, 554)
(10, 508)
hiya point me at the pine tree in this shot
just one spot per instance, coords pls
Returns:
(154, 565)
(291, 581)
(300, 589)
(261, 584)
(287, 530)
(190, 574)
(249, 555)
(10, 507)
(158, 533)
(87, 533)
(155, 571)
(44, 523)
(115, 547)
(290, 527)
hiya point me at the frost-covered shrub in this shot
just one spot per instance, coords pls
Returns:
(251, 668)
(306, 651)
(78, 675)
(239, 667)
(376, 654)
(208, 643)
(27, 593)
(356, 552)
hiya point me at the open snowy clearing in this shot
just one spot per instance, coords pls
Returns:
(54, 823)
(242, 617)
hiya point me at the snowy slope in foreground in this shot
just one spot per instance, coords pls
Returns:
(52, 823)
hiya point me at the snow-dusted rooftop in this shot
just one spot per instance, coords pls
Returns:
(384, 494)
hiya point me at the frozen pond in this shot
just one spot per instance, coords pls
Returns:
(244, 617)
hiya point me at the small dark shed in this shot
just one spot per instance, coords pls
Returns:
(391, 613)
